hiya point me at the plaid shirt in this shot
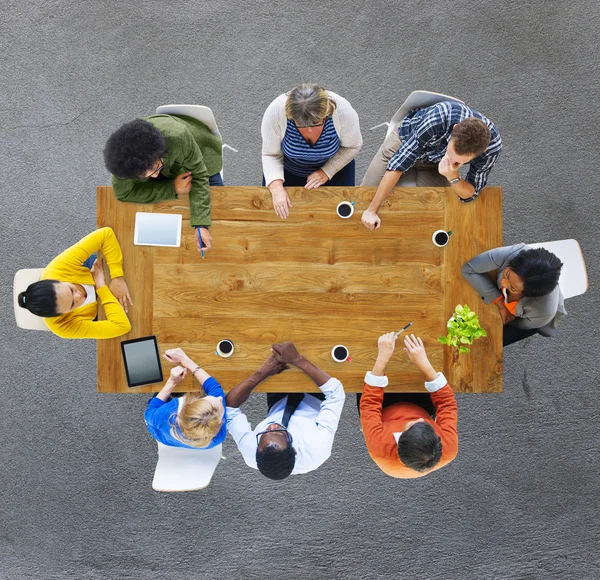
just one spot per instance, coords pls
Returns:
(425, 134)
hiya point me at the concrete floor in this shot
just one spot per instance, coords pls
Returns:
(521, 499)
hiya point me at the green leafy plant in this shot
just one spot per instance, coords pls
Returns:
(463, 328)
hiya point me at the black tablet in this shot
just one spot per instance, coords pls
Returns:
(142, 361)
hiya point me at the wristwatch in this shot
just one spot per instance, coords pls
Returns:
(456, 180)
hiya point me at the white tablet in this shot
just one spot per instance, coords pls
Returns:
(157, 229)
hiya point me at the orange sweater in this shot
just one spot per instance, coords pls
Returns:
(379, 426)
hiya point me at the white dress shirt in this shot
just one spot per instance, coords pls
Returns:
(312, 427)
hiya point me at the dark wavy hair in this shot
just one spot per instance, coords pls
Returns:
(539, 269)
(419, 447)
(274, 462)
(133, 149)
(40, 298)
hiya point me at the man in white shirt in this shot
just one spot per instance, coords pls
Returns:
(297, 435)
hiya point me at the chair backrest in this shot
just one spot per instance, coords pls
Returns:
(203, 114)
(183, 469)
(23, 317)
(417, 100)
(573, 275)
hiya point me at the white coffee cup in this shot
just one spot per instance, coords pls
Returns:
(225, 348)
(345, 204)
(440, 238)
(340, 356)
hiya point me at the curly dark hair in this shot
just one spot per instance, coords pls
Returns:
(419, 447)
(133, 149)
(540, 270)
(276, 463)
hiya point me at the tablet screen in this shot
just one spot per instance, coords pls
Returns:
(157, 229)
(142, 363)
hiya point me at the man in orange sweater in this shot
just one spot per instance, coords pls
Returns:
(403, 438)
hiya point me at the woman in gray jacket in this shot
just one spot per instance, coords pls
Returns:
(526, 291)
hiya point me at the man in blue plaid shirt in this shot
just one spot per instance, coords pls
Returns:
(439, 140)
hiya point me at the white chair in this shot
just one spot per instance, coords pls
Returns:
(573, 279)
(200, 112)
(23, 317)
(184, 469)
(416, 100)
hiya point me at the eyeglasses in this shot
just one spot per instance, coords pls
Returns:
(282, 429)
(154, 173)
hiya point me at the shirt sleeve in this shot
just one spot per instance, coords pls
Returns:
(431, 125)
(193, 161)
(117, 323)
(103, 239)
(350, 137)
(479, 170)
(446, 417)
(149, 191)
(475, 270)
(240, 429)
(371, 417)
(272, 155)
(213, 388)
(331, 408)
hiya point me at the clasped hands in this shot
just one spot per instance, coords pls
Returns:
(283, 354)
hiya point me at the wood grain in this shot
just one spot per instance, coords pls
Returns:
(314, 279)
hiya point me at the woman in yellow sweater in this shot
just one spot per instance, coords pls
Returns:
(70, 287)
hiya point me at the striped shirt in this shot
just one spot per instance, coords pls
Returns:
(425, 134)
(302, 159)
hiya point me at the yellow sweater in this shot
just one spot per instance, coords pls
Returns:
(68, 267)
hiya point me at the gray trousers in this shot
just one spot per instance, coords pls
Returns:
(420, 175)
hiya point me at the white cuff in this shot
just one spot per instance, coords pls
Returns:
(375, 380)
(438, 383)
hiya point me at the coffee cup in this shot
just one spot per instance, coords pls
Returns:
(345, 209)
(339, 353)
(225, 348)
(440, 238)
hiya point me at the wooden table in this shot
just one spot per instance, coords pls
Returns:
(314, 279)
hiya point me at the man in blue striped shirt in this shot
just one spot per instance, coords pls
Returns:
(439, 139)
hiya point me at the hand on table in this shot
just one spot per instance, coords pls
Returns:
(272, 367)
(286, 352)
(177, 375)
(119, 288)
(183, 183)
(206, 239)
(97, 271)
(448, 169)
(281, 202)
(371, 220)
(318, 177)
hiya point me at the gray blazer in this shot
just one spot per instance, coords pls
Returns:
(542, 312)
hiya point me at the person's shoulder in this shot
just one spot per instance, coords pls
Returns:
(277, 104)
(168, 125)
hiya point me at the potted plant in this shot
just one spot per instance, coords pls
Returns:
(463, 328)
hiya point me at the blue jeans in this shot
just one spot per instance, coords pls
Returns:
(90, 261)
(215, 180)
(345, 176)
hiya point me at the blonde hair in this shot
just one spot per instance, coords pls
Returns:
(198, 421)
(308, 104)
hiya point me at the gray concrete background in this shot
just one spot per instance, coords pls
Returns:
(520, 500)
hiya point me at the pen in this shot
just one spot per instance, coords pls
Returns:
(201, 246)
(403, 329)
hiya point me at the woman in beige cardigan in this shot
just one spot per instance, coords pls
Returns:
(310, 137)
